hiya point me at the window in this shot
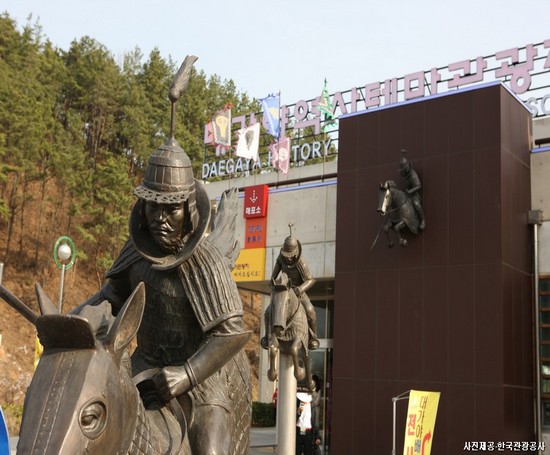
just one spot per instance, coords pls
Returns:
(544, 345)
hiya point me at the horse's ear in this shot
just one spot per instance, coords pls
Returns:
(46, 305)
(127, 322)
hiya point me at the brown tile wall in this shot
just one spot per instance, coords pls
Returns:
(451, 311)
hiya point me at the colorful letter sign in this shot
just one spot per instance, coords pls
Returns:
(255, 201)
(419, 429)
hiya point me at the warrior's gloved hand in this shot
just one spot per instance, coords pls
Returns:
(171, 382)
(213, 354)
(297, 290)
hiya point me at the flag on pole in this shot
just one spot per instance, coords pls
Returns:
(270, 110)
(420, 423)
(280, 154)
(326, 108)
(221, 126)
(248, 142)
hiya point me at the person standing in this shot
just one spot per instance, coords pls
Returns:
(307, 429)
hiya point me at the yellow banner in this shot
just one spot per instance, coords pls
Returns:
(38, 349)
(419, 430)
(250, 265)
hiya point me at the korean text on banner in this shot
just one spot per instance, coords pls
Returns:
(250, 265)
(420, 423)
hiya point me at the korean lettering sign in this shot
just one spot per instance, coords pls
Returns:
(420, 423)
(250, 265)
(255, 201)
(256, 233)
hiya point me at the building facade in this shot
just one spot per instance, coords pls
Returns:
(464, 309)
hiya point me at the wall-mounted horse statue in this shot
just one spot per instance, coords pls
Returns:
(82, 398)
(399, 210)
(287, 330)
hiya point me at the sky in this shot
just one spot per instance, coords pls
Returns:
(292, 46)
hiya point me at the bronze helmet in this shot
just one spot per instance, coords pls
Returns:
(404, 164)
(291, 248)
(169, 180)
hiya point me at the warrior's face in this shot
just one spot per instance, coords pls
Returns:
(291, 259)
(165, 222)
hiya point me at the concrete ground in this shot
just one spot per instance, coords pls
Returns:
(262, 440)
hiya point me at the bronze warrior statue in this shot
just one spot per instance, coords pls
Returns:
(192, 329)
(291, 262)
(412, 186)
(401, 207)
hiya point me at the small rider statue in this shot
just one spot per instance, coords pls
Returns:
(291, 262)
(412, 186)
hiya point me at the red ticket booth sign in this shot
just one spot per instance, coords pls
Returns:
(255, 201)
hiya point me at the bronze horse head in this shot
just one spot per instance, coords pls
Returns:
(82, 398)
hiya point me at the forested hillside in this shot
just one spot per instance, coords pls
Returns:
(76, 129)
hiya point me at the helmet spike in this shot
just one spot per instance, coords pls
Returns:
(290, 226)
(178, 87)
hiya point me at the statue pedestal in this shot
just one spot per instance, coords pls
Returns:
(286, 407)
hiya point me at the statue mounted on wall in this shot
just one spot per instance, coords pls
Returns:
(189, 362)
(412, 186)
(402, 207)
(290, 319)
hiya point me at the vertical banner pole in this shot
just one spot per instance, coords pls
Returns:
(403, 396)
(394, 401)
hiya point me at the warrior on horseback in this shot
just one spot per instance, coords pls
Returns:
(402, 208)
(291, 263)
(192, 329)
